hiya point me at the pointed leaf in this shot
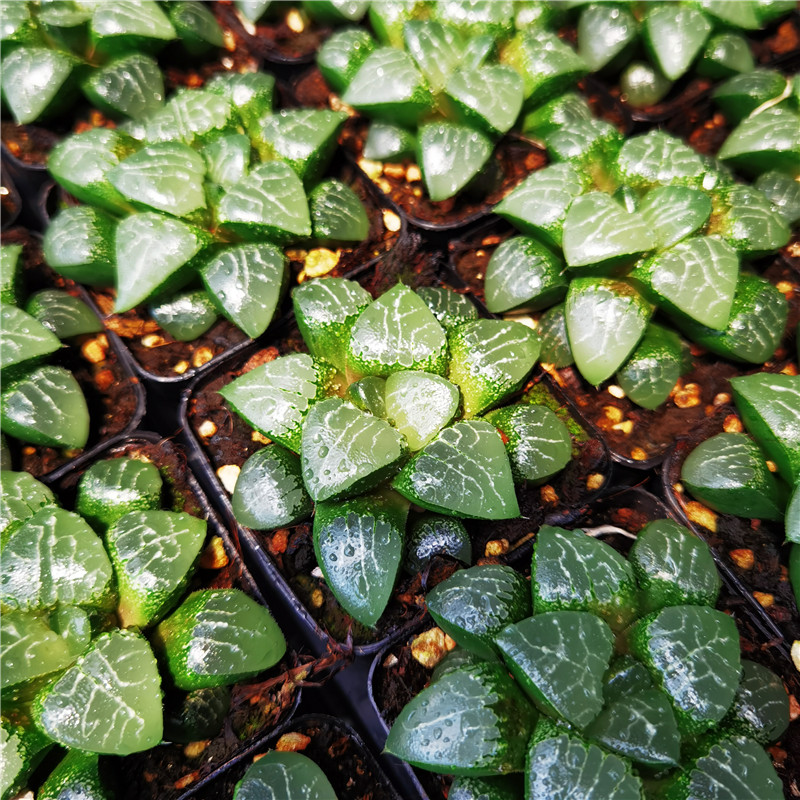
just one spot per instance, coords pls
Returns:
(434, 535)
(419, 405)
(11, 289)
(192, 116)
(388, 142)
(450, 155)
(54, 558)
(162, 177)
(489, 360)
(503, 787)
(464, 472)
(283, 776)
(46, 407)
(783, 192)
(185, 316)
(132, 86)
(337, 213)
(397, 331)
(626, 676)
(482, 699)
(760, 709)
(196, 27)
(24, 338)
(739, 15)
(368, 394)
(435, 47)
(523, 274)
(656, 158)
(606, 319)
(359, 546)
(342, 55)
(74, 626)
(674, 212)
(77, 775)
(33, 78)
(21, 496)
(726, 54)
(555, 341)
(600, 233)
(245, 283)
(275, 397)
(675, 35)
(117, 681)
(488, 97)
(345, 451)
(474, 605)
(269, 491)
(450, 308)
(250, 93)
(585, 144)
(750, 223)
(227, 159)
(741, 95)
(770, 408)
(126, 24)
(576, 572)
(218, 637)
(152, 553)
(269, 203)
(604, 31)
(491, 17)
(766, 141)
(692, 653)
(63, 313)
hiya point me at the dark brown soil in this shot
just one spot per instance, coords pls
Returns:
(28, 143)
(112, 392)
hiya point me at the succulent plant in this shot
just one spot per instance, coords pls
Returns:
(281, 776)
(67, 667)
(587, 713)
(180, 215)
(389, 408)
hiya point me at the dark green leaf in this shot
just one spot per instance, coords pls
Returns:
(505, 787)
(604, 31)
(197, 715)
(77, 775)
(625, 676)
(281, 775)
(368, 394)
(434, 535)
(725, 54)
(185, 316)
(674, 212)
(132, 86)
(555, 342)
(342, 55)
(760, 709)
(24, 338)
(450, 308)
(21, 496)
(674, 35)
(11, 289)
(337, 213)
(63, 313)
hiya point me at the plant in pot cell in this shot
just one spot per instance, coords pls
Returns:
(97, 621)
(625, 681)
(377, 426)
(181, 217)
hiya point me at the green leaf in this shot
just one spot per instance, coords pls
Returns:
(489, 360)
(63, 13)
(783, 193)
(388, 142)
(523, 274)
(464, 472)
(196, 716)
(565, 767)
(606, 319)
(602, 235)
(196, 27)
(474, 605)
(21, 496)
(152, 553)
(586, 144)
(269, 203)
(185, 316)
(563, 110)
(538, 443)
(658, 159)
(21, 749)
(674, 212)
(555, 342)
(538, 206)
(455, 659)
(342, 55)
(750, 223)
(79, 244)
(389, 86)
(359, 546)
(227, 159)
(245, 284)
(29, 649)
(674, 36)
(269, 492)
(284, 776)
(640, 727)
(345, 451)
(11, 289)
(770, 408)
(46, 407)
(74, 626)
(491, 17)
(334, 12)
(109, 701)
(792, 520)
(740, 15)
(132, 86)
(650, 374)
(643, 85)
(488, 97)
(548, 66)
(436, 49)
(24, 338)
(728, 472)
(559, 659)
(733, 767)
(396, 332)
(162, 177)
(741, 95)
(450, 308)
(129, 25)
(76, 775)
(504, 787)
(573, 571)
(33, 80)
(434, 535)
(275, 397)
(304, 138)
(673, 567)
(18, 26)
(604, 32)
(368, 394)
(760, 709)
(697, 277)
(756, 325)
(766, 141)
(626, 676)
(419, 405)
(337, 213)
(428, 733)
(326, 311)
(250, 93)
(54, 558)
(158, 254)
(450, 155)
(218, 637)
(725, 54)
(252, 10)
(113, 487)
(63, 313)
(692, 652)
(192, 116)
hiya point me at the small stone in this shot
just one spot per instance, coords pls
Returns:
(613, 414)
(626, 427)
(796, 654)
(701, 515)
(637, 454)
(548, 495)
(765, 599)
(292, 742)
(413, 173)
(794, 707)
(430, 647)
(256, 436)
(196, 749)
(688, 397)
(396, 171)
(785, 287)
(207, 428)
(616, 391)
(214, 556)
(320, 262)
(391, 221)
(153, 340)
(229, 474)
(595, 481)
(722, 399)
(497, 547)
(390, 661)
(317, 598)
(181, 367)
(94, 351)
(383, 185)
(743, 558)
(294, 21)
(732, 424)
(372, 169)
(202, 356)
(104, 380)
(772, 466)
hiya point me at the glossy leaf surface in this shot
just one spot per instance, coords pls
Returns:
(489, 97)
(63, 313)
(342, 54)
(656, 158)
(767, 141)
(32, 79)
(29, 649)
(337, 213)
(604, 31)
(131, 86)
(192, 116)
(555, 341)
(435, 535)
(674, 212)
(675, 35)
(760, 709)
(281, 775)
(436, 49)
(21, 496)
(24, 338)
(185, 316)
(450, 308)
(750, 223)
(78, 775)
